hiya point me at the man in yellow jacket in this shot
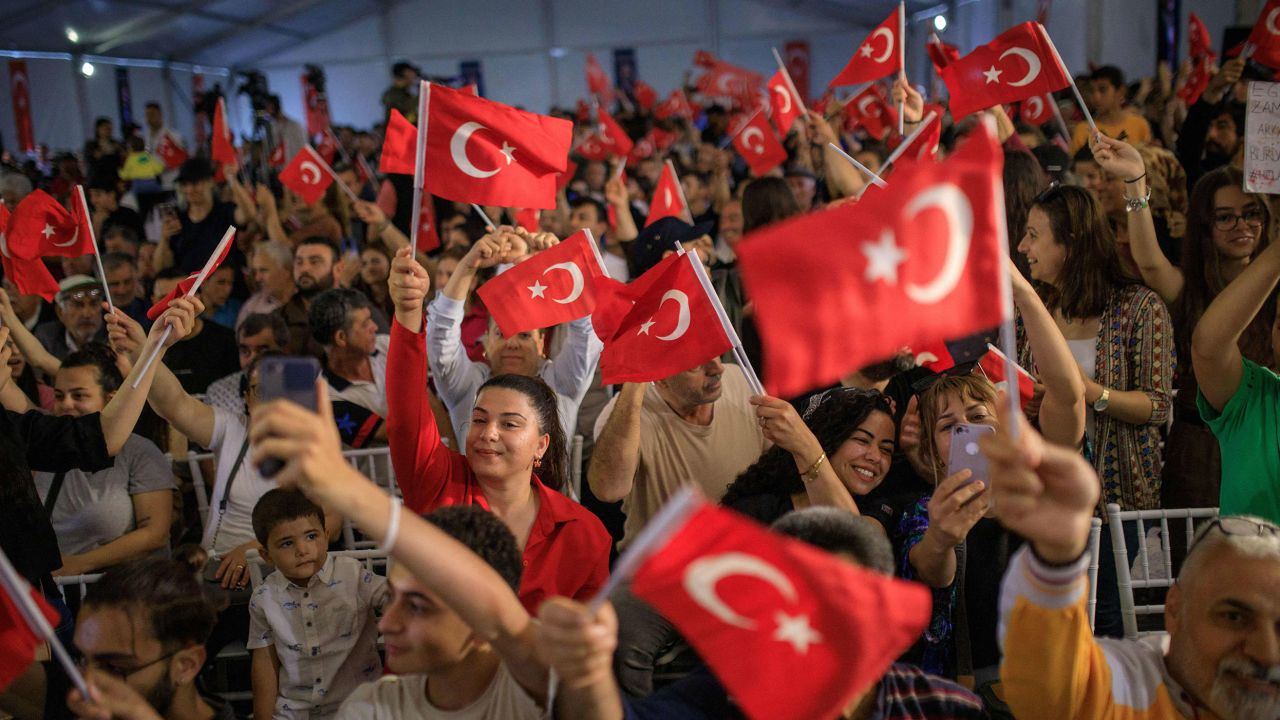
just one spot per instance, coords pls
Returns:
(1221, 657)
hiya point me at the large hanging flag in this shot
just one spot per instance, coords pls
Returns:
(758, 145)
(307, 175)
(917, 265)
(755, 604)
(223, 151)
(1019, 64)
(20, 95)
(879, 55)
(554, 286)
(480, 151)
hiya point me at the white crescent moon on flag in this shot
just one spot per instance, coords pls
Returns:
(862, 105)
(888, 45)
(1271, 21)
(666, 197)
(576, 273)
(701, 576)
(1035, 106)
(1033, 64)
(746, 140)
(786, 97)
(4, 245)
(952, 201)
(458, 149)
(310, 172)
(682, 319)
(70, 242)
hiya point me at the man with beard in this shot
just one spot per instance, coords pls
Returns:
(314, 263)
(1213, 133)
(141, 631)
(1221, 657)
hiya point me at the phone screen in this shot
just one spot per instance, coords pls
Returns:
(291, 378)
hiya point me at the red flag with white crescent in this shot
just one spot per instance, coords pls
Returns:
(29, 276)
(20, 94)
(878, 55)
(552, 287)
(307, 175)
(759, 146)
(223, 151)
(668, 200)
(783, 104)
(169, 151)
(1018, 64)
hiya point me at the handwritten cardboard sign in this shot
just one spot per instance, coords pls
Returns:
(1262, 139)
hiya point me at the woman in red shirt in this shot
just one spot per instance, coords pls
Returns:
(514, 444)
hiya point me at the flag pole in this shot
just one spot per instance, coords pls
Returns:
(743, 361)
(790, 85)
(17, 588)
(195, 287)
(329, 169)
(729, 138)
(595, 250)
(902, 61)
(680, 189)
(655, 534)
(875, 179)
(419, 179)
(1084, 108)
(897, 152)
(97, 255)
(480, 211)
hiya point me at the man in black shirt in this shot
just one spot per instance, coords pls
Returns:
(206, 354)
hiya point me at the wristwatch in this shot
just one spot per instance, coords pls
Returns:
(1100, 405)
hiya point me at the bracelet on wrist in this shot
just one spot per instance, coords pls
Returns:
(812, 473)
(1134, 180)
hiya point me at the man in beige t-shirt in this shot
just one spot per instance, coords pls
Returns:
(653, 439)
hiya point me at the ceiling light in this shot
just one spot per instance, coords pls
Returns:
(72, 35)
(87, 69)
(939, 22)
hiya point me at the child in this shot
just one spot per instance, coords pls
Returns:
(313, 626)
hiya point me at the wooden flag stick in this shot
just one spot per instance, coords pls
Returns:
(97, 255)
(875, 179)
(790, 85)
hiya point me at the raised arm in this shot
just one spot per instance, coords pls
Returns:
(1215, 349)
(616, 193)
(784, 427)
(245, 208)
(31, 348)
(456, 375)
(616, 456)
(380, 226)
(1062, 410)
(270, 214)
(1123, 161)
(843, 179)
(308, 445)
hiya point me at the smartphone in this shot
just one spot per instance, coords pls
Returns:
(965, 454)
(291, 378)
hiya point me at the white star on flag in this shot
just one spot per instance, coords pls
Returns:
(537, 290)
(507, 152)
(883, 258)
(47, 231)
(866, 50)
(797, 631)
(993, 75)
(644, 327)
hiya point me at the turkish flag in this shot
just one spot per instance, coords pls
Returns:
(756, 604)
(925, 144)
(1265, 37)
(480, 151)
(317, 107)
(646, 96)
(613, 136)
(992, 365)
(566, 177)
(879, 55)
(872, 111)
(307, 175)
(940, 53)
(593, 148)
(428, 236)
(529, 219)
(1036, 110)
(19, 640)
(84, 224)
(918, 264)
(30, 276)
(643, 149)
(758, 145)
(662, 139)
(783, 104)
(183, 288)
(724, 80)
(671, 324)
(668, 199)
(1200, 52)
(223, 151)
(399, 146)
(1018, 64)
(20, 94)
(552, 287)
(676, 104)
(328, 147)
(597, 79)
(277, 158)
(170, 152)
(41, 227)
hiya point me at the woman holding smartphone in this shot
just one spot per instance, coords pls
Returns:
(947, 543)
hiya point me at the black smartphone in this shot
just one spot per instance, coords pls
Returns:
(965, 454)
(291, 378)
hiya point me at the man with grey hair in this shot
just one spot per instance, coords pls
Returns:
(258, 334)
(13, 187)
(1221, 655)
(271, 266)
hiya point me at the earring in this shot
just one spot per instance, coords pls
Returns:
(537, 462)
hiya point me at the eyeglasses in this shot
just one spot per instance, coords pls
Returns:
(1236, 526)
(1229, 220)
(85, 662)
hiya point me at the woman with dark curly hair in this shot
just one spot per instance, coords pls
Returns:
(840, 451)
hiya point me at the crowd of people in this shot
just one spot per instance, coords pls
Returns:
(1144, 282)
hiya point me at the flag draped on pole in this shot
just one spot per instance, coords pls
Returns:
(755, 604)
(20, 95)
(914, 266)
(879, 55)
(552, 287)
(1018, 64)
(480, 151)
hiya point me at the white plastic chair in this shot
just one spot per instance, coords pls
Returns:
(1141, 574)
(1095, 552)
(575, 468)
(375, 464)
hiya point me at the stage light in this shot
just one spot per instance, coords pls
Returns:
(87, 69)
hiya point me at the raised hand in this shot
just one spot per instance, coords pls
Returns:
(911, 100)
(111, 698)
(783, 426)
(125, 335)
(1225, 79)
(369, 213)
(6, 351)
(1117, 157)
(577, 644)
(181, 316)
(819, 130)
(408, 284)
(956, 506)
(306, 442)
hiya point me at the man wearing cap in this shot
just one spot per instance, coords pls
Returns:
(188, 237)
(78, 306)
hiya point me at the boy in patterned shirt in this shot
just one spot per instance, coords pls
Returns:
(313, 621)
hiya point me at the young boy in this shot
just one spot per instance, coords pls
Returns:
(313, 627)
